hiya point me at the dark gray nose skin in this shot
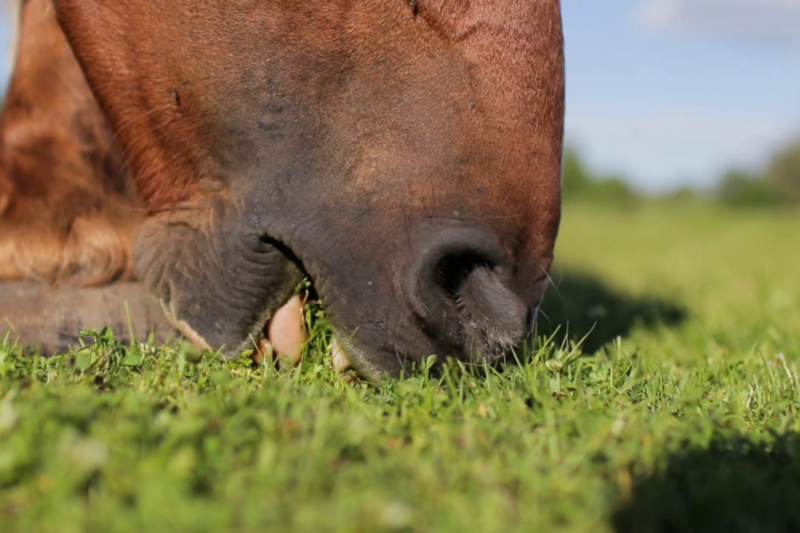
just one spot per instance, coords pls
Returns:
(216, 278)
(447, 291)
(458, 290)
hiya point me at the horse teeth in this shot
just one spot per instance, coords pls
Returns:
(340, 360)
(286, 331)
(264, 351)
(286, 335)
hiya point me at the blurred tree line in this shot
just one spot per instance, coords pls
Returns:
(777, 184)
(581, 183)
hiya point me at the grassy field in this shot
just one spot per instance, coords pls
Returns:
(678, 413)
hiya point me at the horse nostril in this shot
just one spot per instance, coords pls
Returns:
(458, 294)
(453, 270)
(493, 318)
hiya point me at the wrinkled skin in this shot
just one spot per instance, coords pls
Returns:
(406, 156)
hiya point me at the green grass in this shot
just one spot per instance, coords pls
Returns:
(680, 414)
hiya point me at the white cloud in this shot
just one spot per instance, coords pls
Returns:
(773, 21)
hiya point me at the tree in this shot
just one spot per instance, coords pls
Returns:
(581, 183)
(744, 189)
(576, 178)
(783, 172)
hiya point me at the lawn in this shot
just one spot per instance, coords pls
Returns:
(678, 413)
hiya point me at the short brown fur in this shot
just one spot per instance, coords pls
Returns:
(67, 210)
(362, 141)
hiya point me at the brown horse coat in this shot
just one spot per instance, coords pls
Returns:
(404, 155)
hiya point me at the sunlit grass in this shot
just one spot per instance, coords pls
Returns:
(681, 416)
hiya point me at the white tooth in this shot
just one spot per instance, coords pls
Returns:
(340, 360)
(286, 331)
(192, 335)
(168, 313)
(265, 350)
(182, 326)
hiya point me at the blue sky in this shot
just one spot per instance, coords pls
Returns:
(672, 92)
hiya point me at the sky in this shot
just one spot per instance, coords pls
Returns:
(667, 93)
(673, 92)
